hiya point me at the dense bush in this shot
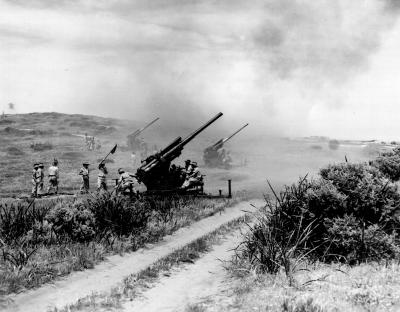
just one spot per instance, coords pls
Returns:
(25, 227)
(349, 214)
(72, 221)
(114, 215)
(389, 164)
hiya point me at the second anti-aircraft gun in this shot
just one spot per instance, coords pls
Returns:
(133, 141)
(215, 156)
(157, 173)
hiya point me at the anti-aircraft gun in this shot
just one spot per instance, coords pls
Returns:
(156, 171)
(215, 156)
(133, 141)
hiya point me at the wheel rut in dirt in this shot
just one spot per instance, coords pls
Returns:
(191, 284)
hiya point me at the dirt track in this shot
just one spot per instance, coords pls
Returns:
(109, 273)
(190, 285)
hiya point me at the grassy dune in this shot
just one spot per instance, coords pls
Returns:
(63, 135)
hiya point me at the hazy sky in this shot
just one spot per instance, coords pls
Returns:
(289, 67)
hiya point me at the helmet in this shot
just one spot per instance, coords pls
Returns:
(120, 170)
(187, 161)
(41, 165)
(194, 164)
(36, 165)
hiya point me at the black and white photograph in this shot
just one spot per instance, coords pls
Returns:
(199, 155)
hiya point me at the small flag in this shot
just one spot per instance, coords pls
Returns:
(114, 149)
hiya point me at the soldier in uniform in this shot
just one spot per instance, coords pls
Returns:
(188, 166)
(194, 177)
(84, 172)
(53, 177)
(35, 180)
(185, 171)
(102, 178)
(125, 182)
(41, 183)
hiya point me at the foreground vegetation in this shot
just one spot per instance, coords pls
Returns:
(40, 242)
(319, 287)
(325, 244)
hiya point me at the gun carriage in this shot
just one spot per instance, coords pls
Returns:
(215, 156)
(133, 141)
(157, 173)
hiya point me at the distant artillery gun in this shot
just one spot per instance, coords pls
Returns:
(215, 156)
(133, 141)
(157, 173)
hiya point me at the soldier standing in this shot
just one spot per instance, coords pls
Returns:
(41, 183)
(102, 178)
(35, 180)
(84, 172)
(53, 177)
(92, 144)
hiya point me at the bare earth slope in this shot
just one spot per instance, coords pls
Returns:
(108, 274)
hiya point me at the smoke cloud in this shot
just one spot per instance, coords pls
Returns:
(288, 67)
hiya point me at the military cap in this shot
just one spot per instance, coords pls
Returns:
(41, 165)
(187, 161)
(194, 164)
(85, 163)
(120, 170)
(36, 165)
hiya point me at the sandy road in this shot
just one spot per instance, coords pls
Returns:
(192, 284)
(111, 272)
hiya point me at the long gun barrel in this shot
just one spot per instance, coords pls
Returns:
(221, 142)
(174, 149)
(139, 131)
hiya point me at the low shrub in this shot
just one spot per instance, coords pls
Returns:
(301, 306)
(72, 221)
(349, 214)
(6, 121)
(114, 215)
(16, 220)
(38, 147)
(14, 151)
(389, 164)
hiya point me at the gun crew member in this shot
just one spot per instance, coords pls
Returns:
(193, 177)
(36, 178)
(84, 172)
(102, 178)
(126, 181)
(53, 177)
(41, 183)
